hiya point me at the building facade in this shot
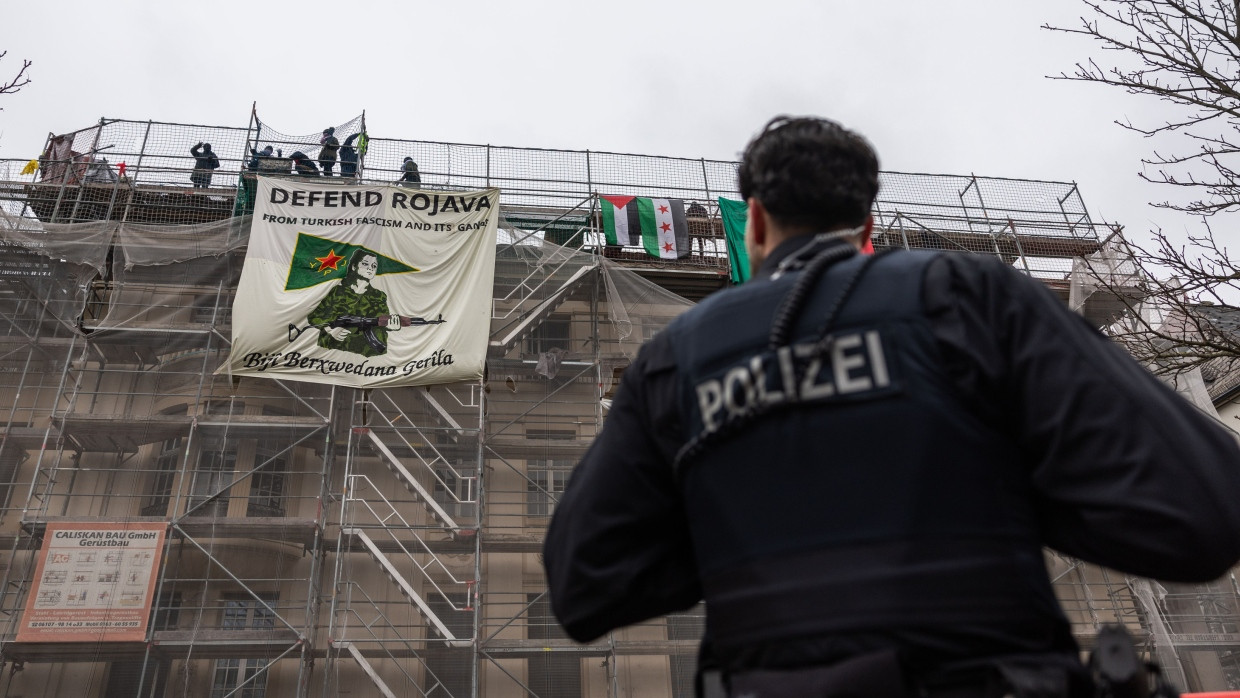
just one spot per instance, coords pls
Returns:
(321, 540)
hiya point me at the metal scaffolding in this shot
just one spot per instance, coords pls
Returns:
(327, 540)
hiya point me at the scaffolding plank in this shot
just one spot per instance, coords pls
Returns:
(540, 647)
(285, 529)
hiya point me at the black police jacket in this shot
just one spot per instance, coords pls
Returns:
(959, 419)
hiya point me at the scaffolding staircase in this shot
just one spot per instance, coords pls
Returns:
(436, 625)
(452, 427)
(410, 483)
(428, 458)
(509, 336)
(366, 667)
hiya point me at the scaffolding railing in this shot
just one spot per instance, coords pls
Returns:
(542, 189)
(493, 455)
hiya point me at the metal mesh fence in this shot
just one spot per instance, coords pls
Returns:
(1037, 226)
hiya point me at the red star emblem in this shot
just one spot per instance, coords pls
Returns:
(665, 227)
(662, 209)
(667, 247)
(330, 262)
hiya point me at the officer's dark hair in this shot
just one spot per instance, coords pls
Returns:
(811, 174)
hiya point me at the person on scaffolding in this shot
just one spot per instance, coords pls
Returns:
(409, 173)
(205, 164)
(303, 166)
(349, 155)
(856, 460)
(327, 154)
(259, 157)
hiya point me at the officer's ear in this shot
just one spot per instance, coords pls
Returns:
(755, 223)
(863, 239)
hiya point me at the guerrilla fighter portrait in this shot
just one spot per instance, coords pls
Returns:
(354, 315)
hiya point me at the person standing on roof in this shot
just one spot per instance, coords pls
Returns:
(205, 164)
(348, 156)
(856, 460)
(409, 173)
(327, 154)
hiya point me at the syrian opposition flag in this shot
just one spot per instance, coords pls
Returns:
(657, 225)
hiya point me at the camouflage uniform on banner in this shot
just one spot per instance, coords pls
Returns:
(343, 301)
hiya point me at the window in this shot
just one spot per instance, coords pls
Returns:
(1229, 661)
(124, 678)
(1218, 611)
(167, 612)
(11, 457)
(652, 326)
(689, 625)
(552, 434)
(455, 493)
(267, 482)
(243, 612)
(224, 407)
(215, 469)
(550, 673)
(547, 477)
(208, 309)
(231, 673)
(546, 482)
(166, 464)
(555, 331)
(448, 669)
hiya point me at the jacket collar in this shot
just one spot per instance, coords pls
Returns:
(794, 252)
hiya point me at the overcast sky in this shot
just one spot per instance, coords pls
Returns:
(953, 86)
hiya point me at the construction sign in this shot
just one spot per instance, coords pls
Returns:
(93, 583)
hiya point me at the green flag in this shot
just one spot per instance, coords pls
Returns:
(734, 214)
(317, 259)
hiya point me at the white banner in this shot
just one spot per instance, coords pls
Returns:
(367, 286)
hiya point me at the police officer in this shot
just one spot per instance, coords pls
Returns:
(856, 460)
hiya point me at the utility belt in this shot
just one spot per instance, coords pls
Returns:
(1115, 671)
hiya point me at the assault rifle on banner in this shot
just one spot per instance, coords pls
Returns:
(367, 325)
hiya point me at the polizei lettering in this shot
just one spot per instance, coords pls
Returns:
(847, 366)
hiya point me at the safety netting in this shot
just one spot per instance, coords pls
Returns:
(298, 511)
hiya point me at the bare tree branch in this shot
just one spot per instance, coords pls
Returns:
(1185, 53)
(1175, 304)
(18, 82)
